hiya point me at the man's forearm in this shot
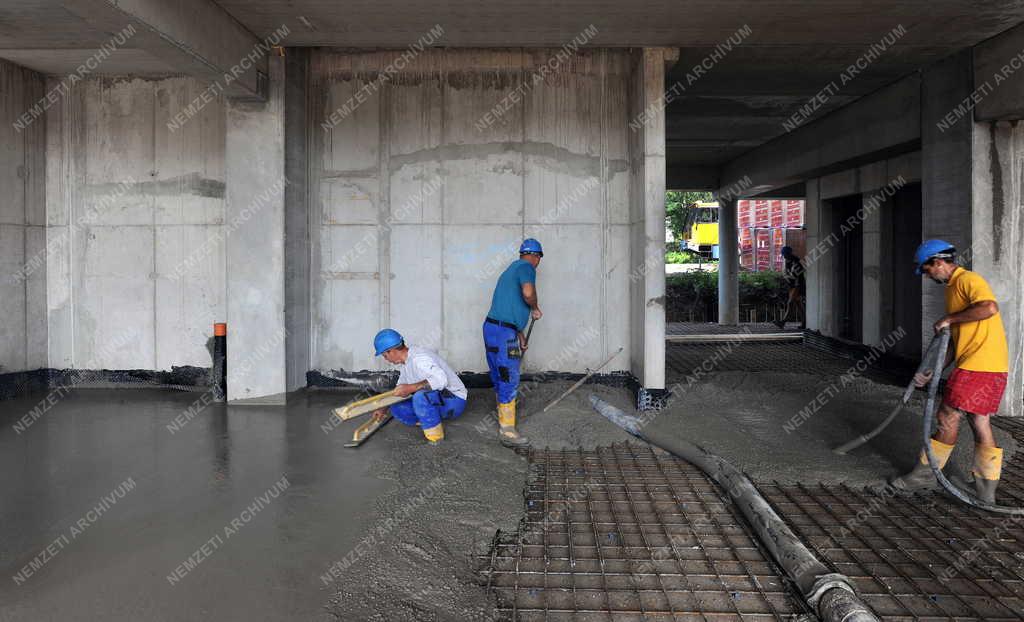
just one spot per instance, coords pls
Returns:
(977, 311)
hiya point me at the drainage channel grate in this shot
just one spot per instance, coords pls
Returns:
(621, 534)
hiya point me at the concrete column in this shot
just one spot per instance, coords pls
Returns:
(255, 252)
(653, 85)
(872, 302)
(728, 264)
(647, 152)
(997, 252)
(812, 222)
(946, 170)
(297, 224)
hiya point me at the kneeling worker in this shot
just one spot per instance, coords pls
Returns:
(437, 393)
(975, 388)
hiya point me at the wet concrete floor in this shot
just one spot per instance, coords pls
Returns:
(100, 503)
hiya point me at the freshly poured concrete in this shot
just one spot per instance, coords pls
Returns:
(192, 483)
(393, 527)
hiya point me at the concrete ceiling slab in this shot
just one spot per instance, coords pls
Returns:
(792, 52)
(671, 23)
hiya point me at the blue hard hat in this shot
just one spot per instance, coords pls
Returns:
(930, 249)
(787, 251)
(530, 245)
(385, 340)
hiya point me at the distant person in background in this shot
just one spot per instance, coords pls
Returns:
(793, 275)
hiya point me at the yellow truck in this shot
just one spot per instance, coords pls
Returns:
(702, 232)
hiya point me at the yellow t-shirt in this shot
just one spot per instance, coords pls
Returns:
(980, 345)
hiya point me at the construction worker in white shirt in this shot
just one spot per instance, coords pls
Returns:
(436, 390)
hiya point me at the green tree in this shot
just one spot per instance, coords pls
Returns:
(677, 213)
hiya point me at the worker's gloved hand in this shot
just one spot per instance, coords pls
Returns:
(522, 342)
(922, 379)
(536, 313)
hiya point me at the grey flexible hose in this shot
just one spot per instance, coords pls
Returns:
(929, 412)
(863, 438)
(829, 594)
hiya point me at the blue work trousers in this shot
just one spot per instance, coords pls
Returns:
(502, 345)
(428, 408)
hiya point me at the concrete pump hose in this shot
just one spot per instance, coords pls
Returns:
(831, 595)
(863, 438)
(929, 413)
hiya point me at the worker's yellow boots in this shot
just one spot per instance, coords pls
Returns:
(435, 433)
(508, 435)
(941, 452)
(988, 467)
(921, 476)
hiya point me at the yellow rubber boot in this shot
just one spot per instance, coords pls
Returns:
(988, 467)
(921, 476)
(434, 434)
(941, 451)
(507, 434)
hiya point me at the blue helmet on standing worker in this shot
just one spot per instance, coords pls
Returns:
(931, 249)
(531, 246)
(787, 251)
(386, 339)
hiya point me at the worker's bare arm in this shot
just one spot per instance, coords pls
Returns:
(408, 389)
(981, 310)
(530, 298)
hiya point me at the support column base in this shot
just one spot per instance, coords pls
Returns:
(652, 399)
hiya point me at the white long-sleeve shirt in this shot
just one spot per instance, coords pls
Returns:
(425, 364)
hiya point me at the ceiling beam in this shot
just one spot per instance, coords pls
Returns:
(194, 37)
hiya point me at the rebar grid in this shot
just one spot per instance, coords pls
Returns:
(912, 557)
(621, 533)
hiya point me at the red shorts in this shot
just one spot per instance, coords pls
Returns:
(976, 392)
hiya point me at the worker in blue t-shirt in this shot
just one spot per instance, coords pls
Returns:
(513, 304)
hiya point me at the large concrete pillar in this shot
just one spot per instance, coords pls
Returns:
(946, 170)
(997, 252)
(728, 263)
(876, 303)
(254, 247)
(647, 155)
(297, 226)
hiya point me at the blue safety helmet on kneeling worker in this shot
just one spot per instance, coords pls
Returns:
(385, 340)
(531, 246)
(930, 249)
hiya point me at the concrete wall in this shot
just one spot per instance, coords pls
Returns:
(22, 222)
(423, 187)
(870, 181)
(135, 213)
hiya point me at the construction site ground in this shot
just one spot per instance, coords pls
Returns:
(589, 525)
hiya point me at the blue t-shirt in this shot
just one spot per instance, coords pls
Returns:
(507, 304)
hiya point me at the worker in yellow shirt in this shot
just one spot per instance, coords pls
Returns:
(978, 380)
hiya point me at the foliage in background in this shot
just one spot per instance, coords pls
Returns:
(676, 203)
(697, 292)
(683, 256)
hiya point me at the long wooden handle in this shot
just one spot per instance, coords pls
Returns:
(368, 405)
(581, 381)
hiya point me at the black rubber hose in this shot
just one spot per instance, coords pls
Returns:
(830, 594)
(929, 413)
